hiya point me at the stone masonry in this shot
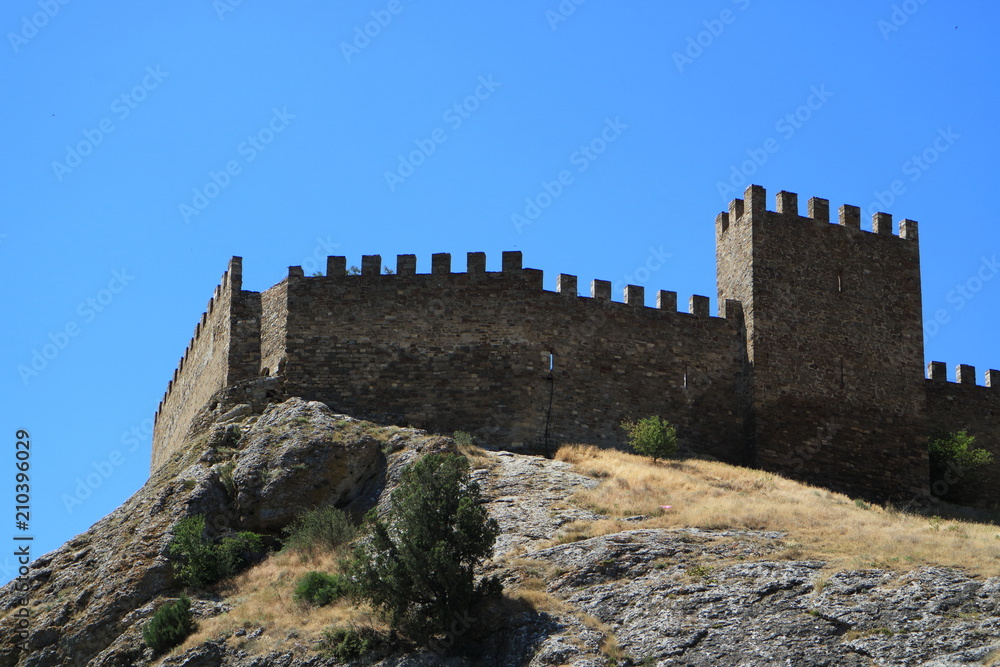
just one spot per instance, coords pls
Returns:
(813, 368)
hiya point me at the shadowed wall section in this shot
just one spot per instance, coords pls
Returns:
(835, 341)
(965, 405)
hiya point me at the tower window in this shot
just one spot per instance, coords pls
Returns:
(840, 281)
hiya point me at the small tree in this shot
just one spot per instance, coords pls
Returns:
(954, 459)
(198, 561)
(416, 564)
(195, 559)
(652, 436)
(170, 625)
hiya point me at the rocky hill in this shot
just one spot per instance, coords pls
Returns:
(583, 586)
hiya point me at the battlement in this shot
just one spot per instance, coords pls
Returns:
(937, 371)
(231, 281)
(818, 210)
(406, 265)
(512, 263)
(219, 353)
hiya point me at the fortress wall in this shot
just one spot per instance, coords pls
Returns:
(274, 314)
(471, 351)
(964, 405)
(244, 347)
(813, 372)
(834, 318)
(203, 369)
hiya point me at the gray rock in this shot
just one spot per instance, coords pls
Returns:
(666, 597)
(527, 496)
(298, 456)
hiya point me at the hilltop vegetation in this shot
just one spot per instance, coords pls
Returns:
(605, 558)
(728, 518)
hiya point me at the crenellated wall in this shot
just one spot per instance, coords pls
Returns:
(964, 405)
(224, 349)
(813, 370)
(472, 351)
(273, 332)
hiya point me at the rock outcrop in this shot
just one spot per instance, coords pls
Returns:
(636, 595)
(250, 472)
(300, 455)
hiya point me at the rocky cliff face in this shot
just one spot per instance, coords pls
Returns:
(636, 595)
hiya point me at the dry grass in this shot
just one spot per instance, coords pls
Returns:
(819, 523)
(479, 458)
(262, 598)
(544, 602)
(541, 601)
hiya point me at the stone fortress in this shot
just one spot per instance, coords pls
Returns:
(813, 368)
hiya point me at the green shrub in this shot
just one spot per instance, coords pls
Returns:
(325, 528)
(170, 625)
(236, 552)
(320, 588)
(463, 439)
(652, 436)
(199, 562)
(416, 564)
(954, 459)
(196, 562)
(347, 644)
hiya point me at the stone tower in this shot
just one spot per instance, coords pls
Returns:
(835, 389)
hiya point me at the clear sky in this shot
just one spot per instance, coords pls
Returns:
(145, 143)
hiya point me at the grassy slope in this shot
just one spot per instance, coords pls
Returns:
(818, 524)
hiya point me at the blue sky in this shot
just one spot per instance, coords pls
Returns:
(147, 142)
